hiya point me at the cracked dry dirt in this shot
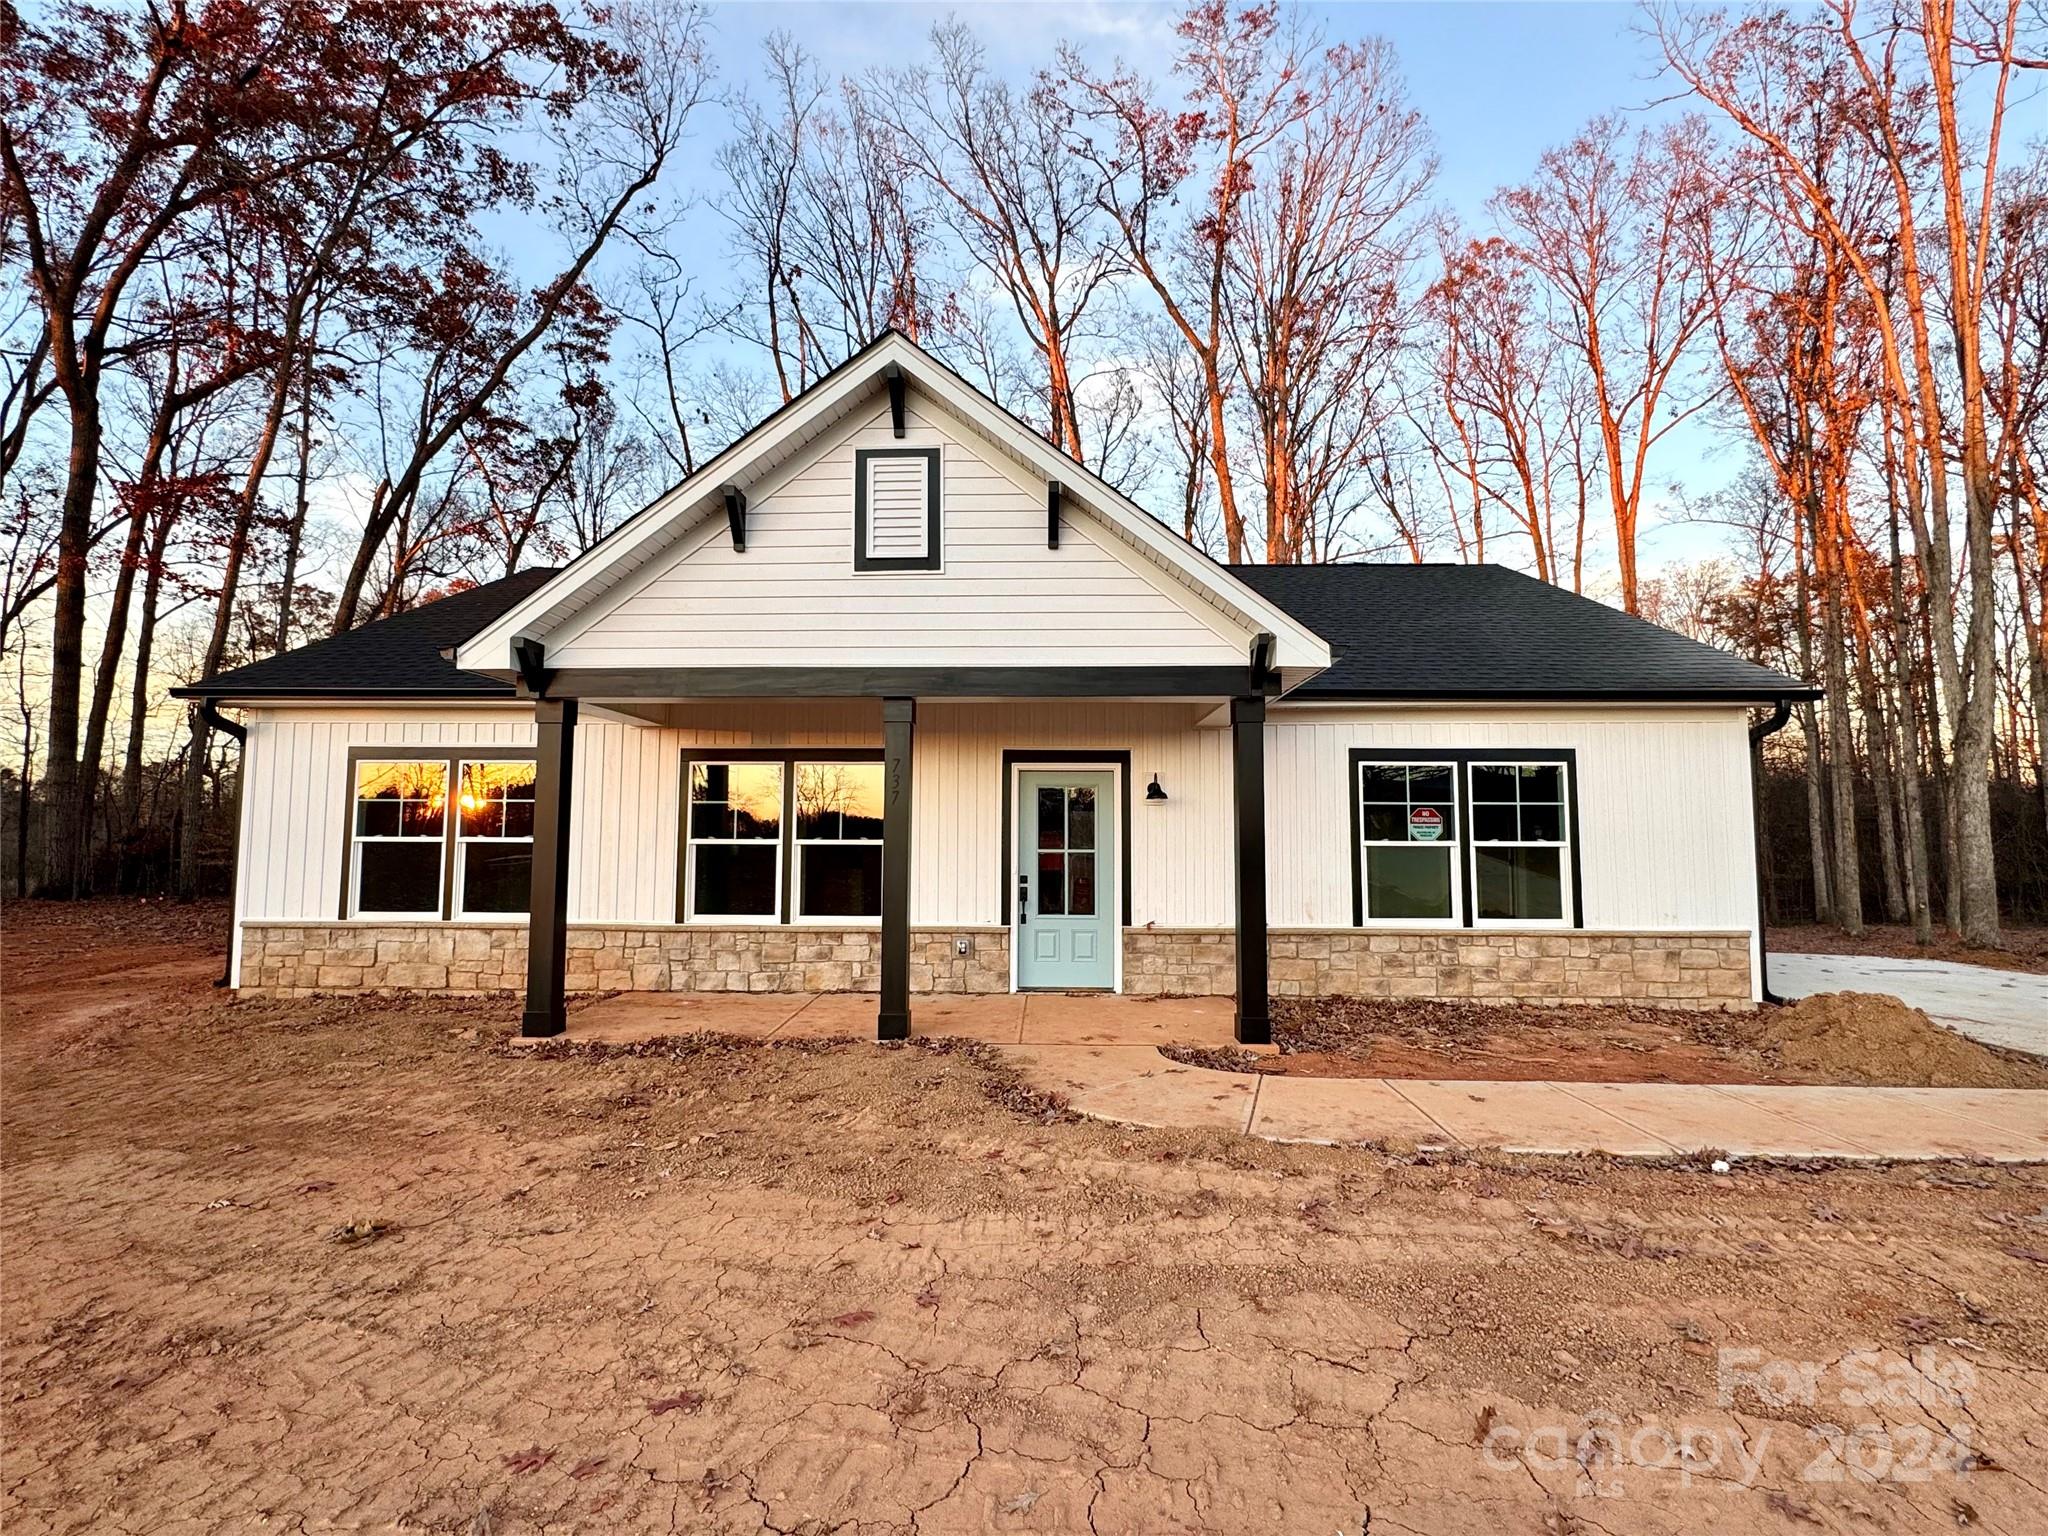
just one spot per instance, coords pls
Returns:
(745, 1288)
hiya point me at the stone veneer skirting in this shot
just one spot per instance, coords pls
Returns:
(1698, 970)
(293, 959)
(1680, 970)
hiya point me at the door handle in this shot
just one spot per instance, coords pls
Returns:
(1023, 898)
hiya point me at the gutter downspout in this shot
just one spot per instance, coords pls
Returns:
(210, 713)
(1779, 715)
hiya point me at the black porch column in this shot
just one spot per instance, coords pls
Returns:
(1248, 791)
(892, 1022)
(547, 931)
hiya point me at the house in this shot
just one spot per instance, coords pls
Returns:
(892, 696)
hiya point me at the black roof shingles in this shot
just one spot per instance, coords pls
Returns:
(1486, 632)
(1396, 632)
(394, 658)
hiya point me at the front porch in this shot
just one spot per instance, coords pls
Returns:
(1017, 1018)
(985, 737)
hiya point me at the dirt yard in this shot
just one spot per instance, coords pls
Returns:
(2026, 945)
(355, 1265)
(1847, 1039)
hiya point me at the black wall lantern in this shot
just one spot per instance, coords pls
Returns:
(1155, 792)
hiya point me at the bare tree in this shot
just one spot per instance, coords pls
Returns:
(1314, 293)
(1252, 75)
(1599, 223)
(1020, 205)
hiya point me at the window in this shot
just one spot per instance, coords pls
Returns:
(896, 509)
(1465, 839)
(409, 858)
(838, 840)
(1066, 851)
(735, 840)
(399, 838)
(778, 838)
(1518, 842)
(494, 838)
(1408, 831)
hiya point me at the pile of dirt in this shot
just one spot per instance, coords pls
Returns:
(1867, 1037)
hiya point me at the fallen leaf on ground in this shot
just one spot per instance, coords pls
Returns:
(528, 1460)
(686, 1402)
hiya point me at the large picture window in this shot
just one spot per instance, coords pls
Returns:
(1465, 838)
(780, 837)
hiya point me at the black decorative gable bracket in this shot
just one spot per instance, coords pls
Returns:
(894, 374)
(1052, 514)
(531, 657)
(736, 517)
(1264, 679)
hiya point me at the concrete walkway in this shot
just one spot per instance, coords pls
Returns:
(2008, 1008)
(1137, 1086)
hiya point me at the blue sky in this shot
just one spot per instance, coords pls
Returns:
(1498, 82)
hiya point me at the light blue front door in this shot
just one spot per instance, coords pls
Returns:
(1066, 879)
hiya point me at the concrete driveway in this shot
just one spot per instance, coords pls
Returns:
(1999, 1007)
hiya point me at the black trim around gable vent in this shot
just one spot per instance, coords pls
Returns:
(931, 558)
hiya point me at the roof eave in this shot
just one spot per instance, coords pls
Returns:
(262, 695)
(1729, 696)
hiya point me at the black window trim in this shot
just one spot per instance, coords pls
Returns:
(931, 560)
(788, 757)
(1462, 759)
(454, 757)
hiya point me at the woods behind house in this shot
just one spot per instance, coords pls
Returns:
(312, 312)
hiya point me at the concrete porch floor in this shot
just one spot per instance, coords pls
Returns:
(1018, 1018)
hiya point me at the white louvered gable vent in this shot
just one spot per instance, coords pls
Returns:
(896, 509)
(897, 526)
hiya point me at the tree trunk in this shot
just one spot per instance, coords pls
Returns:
(67, 649)
(1816, 816)
(145, 647)
(1877, 741)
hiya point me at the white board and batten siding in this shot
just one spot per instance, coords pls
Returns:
(1001, 597)
(1664, 835)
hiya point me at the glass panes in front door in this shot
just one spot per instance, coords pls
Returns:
(1066, 914)
(1066, 850)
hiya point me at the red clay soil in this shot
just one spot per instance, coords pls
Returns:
(1847, 1039)
(2026, 946)
(351, 1264)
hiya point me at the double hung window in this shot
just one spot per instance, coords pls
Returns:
(1464, 839)
(783, 839)
(409, 857)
